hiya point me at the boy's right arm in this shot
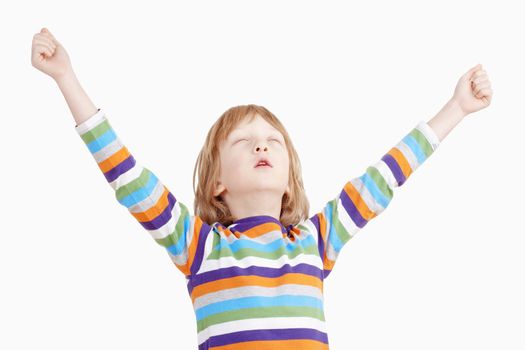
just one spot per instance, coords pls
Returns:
(144, 195)
(136, 187)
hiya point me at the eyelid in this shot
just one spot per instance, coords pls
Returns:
(271, 139)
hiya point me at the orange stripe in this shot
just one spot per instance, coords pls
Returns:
(114, 160)
(327, 263)
(358, 201)
(401, 160)
(262, 229)
(292, 344)
(322, 225)
(155, 210)
(194, 241)
(243, 281)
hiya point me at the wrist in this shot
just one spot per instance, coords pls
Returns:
(455, 109)
(65, 78)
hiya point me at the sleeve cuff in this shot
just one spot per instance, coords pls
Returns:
(429, 133)
(91, 122)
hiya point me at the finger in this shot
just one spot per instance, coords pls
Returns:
(47, 40)
(44, 50)
(45, 32)
(478, 88)
(480, 79)
(483, 92)
(469, 73)
(478, 73)
(45, 43)
(481, 86)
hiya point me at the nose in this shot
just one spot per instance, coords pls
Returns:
(260, 145)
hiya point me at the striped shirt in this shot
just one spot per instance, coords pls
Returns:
(254, 284)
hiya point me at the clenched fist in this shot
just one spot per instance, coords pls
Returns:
(49, 56)
(473, 90)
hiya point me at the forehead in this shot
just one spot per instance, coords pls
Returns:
(257, 123)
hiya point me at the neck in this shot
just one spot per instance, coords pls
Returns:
(255, 203)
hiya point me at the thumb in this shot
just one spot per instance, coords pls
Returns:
(471, 71)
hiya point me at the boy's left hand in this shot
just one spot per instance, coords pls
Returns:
(473, 91)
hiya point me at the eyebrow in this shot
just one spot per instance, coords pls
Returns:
(234, 133)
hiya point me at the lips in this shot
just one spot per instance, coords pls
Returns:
(263, 162)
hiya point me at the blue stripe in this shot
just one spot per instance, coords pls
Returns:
(374, 190)
(258, 302)
(102, 141)
(333, 238)
(181, 246)
(411, 142)
(141, 193)
(265, 248)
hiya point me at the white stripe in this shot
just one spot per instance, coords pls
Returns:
(429, 134)
(261, 323)
(182, 258)
(265, 238)
(127, 177)
(107, 151)
(409, 155)
(150, 201)
(311, 229)
(387, 174)
(232, 261)
(366, 195)
(91, 122)
(331, 253)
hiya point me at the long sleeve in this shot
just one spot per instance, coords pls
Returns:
(365, 197)
(165, 218)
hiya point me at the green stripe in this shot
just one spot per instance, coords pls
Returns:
(340, 230)
(173, 237)
(249, 313)
(138, 183)
(224, 251)
(380, 181)
(95, 133)
(422, 141)
(215, 252)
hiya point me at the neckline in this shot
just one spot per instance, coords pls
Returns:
(248, 222)
(258, 219)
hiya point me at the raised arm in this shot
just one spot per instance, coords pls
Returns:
(365, 197)
(146, 198)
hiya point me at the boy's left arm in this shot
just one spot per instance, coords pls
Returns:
(365, 197)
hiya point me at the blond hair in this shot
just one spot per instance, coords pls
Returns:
(210, 208)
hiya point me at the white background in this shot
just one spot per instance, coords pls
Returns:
(441, 268)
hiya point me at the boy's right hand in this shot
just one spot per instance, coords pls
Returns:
(49, 56)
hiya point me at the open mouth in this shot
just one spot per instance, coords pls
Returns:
(263, 163)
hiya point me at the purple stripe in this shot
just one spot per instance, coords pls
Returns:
(270, 272)
(120, 169)
(351, 209)
(163, 217)
(327, 272)
(394, 167)
(197, 260)
(245, 224)
(265, 334)
(320, 243)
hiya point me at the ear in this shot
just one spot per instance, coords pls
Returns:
(287, 189)
(218, 189)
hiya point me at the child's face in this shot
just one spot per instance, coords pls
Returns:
(239, 155)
